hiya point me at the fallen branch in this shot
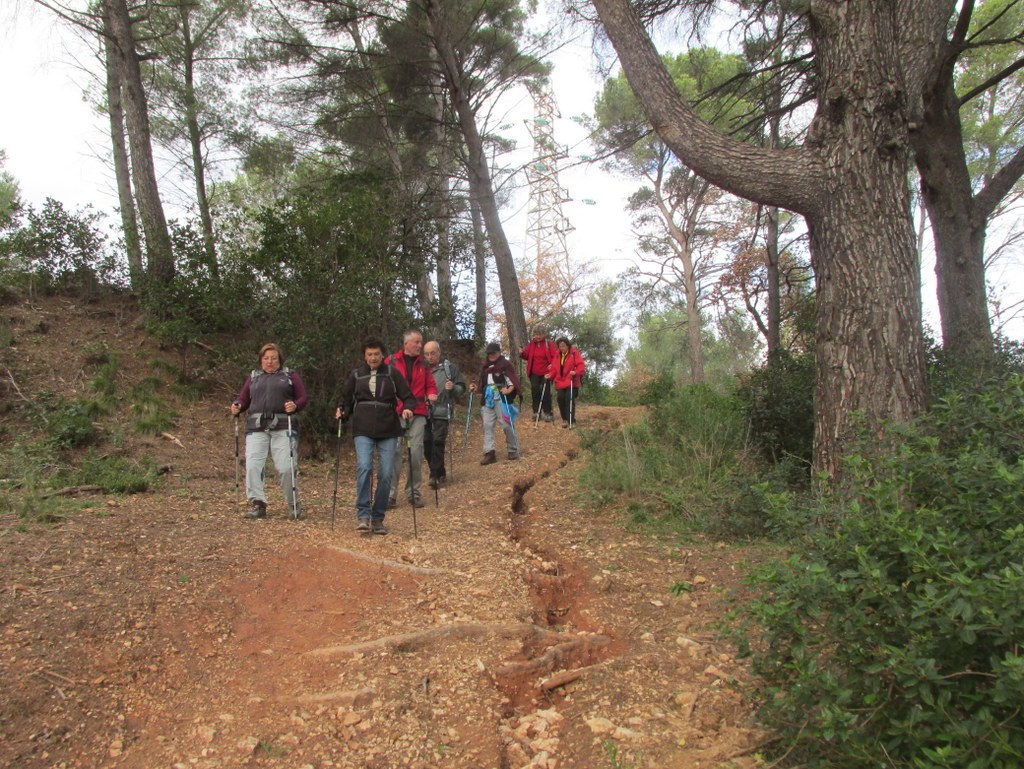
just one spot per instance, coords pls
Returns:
(69, 490)
(10, 378)
(171, 438)
(753, 748)
(565, 677)
(389, 564)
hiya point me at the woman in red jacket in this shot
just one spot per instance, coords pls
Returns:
(566, 374)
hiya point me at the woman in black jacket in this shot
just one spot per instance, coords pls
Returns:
(369, 401)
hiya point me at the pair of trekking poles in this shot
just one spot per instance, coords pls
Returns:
(505, 410)
(291, 463)
(543, 392)
(337, 474)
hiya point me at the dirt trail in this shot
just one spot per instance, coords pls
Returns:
(518, 629)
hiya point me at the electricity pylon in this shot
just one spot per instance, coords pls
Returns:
(547, 225)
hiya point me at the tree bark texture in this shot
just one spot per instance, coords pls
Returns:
(122, 169)
(849, 181)
(160, 258)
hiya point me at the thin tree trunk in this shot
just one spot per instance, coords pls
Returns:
(480, 270)
(774, 287)
(160, 257)
(196, 142)
(480, 185)
(122, 169)
(445, 298)
(958, 230)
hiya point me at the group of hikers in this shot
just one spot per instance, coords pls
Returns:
(409, 394)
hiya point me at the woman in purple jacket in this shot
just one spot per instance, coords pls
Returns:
(273, 396)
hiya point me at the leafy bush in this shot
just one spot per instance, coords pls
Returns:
(949, 374)
(71, 423)
(895, 639)
(778, 402)
(61, 250)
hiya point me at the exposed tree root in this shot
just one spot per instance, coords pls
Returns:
(389, 564)
(461, 631)
(349, 697)
(563, 655)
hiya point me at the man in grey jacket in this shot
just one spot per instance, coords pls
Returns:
(450, 385)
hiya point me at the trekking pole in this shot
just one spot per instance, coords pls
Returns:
(433, 451)
(337, 471)
(536, 418)
(451, 443)
(412, 498)
(511, 423)
(571, 409)
(291, 461)
(238, 498)
(469, 414)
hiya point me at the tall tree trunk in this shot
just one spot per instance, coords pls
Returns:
(445, 296)
(160, 257)
(196, 142)
(849, 181)
(480, 186)
(958, 229)
(480, 271)
(122, 169)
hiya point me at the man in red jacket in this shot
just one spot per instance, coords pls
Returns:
(539, 354)
(410, 364)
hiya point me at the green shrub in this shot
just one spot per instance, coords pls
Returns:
(71, 424)
(778, 402)
(949, 374)
(677, 466)
(894, 639)
(150, 412)
(113, 474)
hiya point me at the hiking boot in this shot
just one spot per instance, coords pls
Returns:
(417, 502)
(549, 418)
(257, 509)
(295, 515)
(433, 482)
(442, 480)
(565, 425)
(392, 503)
(363, 526)
(378, 527)
(489, 458)
(513, 455)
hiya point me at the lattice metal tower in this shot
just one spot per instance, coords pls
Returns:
(547, 226)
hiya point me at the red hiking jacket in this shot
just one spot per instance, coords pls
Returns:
(567, 370)
(421, 381)
(538, 356)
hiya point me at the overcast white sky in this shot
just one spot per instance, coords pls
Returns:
(55, 144)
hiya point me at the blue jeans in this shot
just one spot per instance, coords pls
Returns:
(365, 447)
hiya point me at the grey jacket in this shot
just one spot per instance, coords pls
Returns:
(445, 406)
